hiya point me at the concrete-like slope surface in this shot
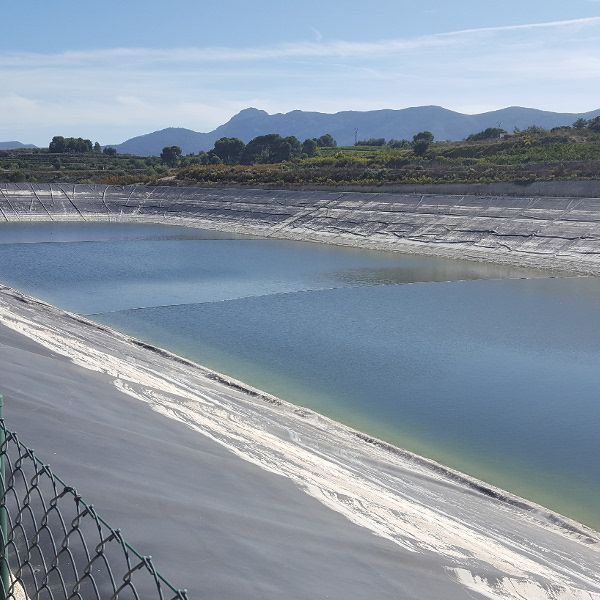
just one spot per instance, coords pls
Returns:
(215, 524)
(560, 232)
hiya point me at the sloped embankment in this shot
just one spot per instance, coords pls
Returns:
(549, 232)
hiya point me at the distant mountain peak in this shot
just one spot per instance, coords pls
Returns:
(252, 110)
(249, 113)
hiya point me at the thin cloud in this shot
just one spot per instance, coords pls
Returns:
(543, 25)
(335, 49)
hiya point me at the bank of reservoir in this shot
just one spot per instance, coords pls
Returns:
(491, 369)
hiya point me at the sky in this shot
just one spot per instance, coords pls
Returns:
(111, 70)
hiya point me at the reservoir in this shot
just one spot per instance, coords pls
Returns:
(489, 369)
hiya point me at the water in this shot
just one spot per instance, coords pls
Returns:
(492, 375)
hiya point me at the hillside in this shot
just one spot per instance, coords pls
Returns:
(533, 154)
(530, 155)
(14, 145)
(398, 124)
(37, 164)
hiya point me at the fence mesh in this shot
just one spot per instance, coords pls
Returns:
(54, 545)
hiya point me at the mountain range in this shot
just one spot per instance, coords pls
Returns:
(14, 145)
(343, 126)
(398, 124)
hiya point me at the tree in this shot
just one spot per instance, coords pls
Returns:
(295, 146)
(421, 142)
(270, 148)
(594, 124)
(170, 155)
(491, 133)
(371, 142)
(109, 151)
(309, 147)
(84, 145)
(326, 141)
(535, 130)
(57, 145)
(423, 136)
(97, 148)
(420, 147)
(60, 144)
(229, 150)
(398, 143)
(580, 124)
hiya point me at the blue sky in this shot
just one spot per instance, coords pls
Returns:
(110, 70)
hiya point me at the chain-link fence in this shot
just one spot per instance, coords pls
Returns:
(54, 545)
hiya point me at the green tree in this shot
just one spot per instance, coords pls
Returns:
(82, 145)
(371, 142)
(309, 147)
(398, 143)
(57, 145)
(421, 142)
(229, 150)
(270, 148)
(295, 146)
(423, 136)
(535, 130)
(109, 151)
(204, 158)
(170, 155)
(326, 141)
(594, 124)
(491, 133)
(580, 124)
(420, 147)
(61, 144)
(97, 148)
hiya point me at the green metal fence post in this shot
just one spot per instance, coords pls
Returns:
(4, 571)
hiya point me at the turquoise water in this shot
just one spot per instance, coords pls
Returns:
(496, 376)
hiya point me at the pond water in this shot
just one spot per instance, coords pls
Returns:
(492, 370)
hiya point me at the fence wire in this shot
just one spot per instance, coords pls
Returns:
(55, 546)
